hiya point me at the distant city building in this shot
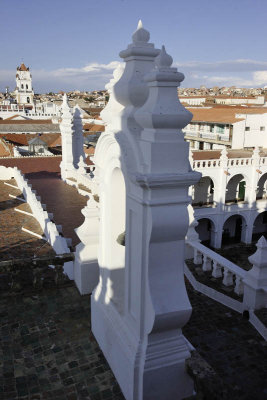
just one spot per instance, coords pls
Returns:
(231, 127)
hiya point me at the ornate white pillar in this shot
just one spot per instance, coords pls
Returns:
(219, 198)
(77, 150)
(255, 282)
(67, 130)
(82, 166)
(86, 270)
(140, 303)
(192, 235)
(165, 181)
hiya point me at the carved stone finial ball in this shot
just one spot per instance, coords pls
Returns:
(163, 60)
(141, 34)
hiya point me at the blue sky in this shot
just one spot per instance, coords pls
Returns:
(75, 44)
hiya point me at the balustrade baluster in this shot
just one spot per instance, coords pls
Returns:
(216, 270)
(227, 277)
(206, 263)
(239, 286)
(197, 257)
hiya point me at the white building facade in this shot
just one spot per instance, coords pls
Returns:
(230, 200)
(24, 90)
(213, 128)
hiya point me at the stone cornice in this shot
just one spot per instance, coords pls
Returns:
(155, 181)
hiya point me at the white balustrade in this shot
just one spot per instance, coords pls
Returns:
(58, 242)
(221, 267)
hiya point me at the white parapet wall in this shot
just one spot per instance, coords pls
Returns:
(50, 230)
(6, 173)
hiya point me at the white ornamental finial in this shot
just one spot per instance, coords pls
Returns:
(65, 106)
(259, 258)
(141, 34)
(163, 60)
(65, 100)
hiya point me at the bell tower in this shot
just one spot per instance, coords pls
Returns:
(24, 91)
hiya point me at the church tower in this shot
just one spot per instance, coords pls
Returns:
(24, 91)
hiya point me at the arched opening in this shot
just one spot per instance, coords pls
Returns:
(205, 230)
(202, 192)
(260, 226)
(262, 188)
(235, 190)
(28, 100)
(116, 245)
(22, 86)
(234, 230)
(27, 87)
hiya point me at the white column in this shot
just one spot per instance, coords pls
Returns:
(255, 282)
(165, 181)
(219, 198)
(67, 130)
(86, 270)
(140, 303)
(77, 143)
(192, 235)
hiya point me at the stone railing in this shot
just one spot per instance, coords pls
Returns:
(206, 164)
(84, 182)
(246, 290)
(231, 162)
(236, 162)
(221, 267)
(49, 228)
(263, 161)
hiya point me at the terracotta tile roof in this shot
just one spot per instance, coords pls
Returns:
(215, 154)
(5, 150)
(90, 151)
(57, 142)
(225, 115)
(22, 67)
(94, 128)
(93, 110)
(24, 138)
(33, 164)
(88, 127)
(17, 139)
(98, 128)
(13, 117)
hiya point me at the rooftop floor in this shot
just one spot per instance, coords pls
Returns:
(14, 243)
(62, 200)
(47, 350)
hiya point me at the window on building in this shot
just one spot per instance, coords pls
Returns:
(220, 128)
(22, 86)
(247, 129)
(27, 87)
(262, 128)
(212, 128)
(28, 100)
